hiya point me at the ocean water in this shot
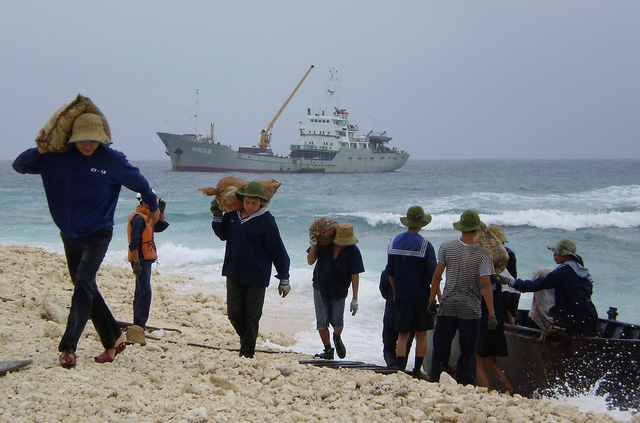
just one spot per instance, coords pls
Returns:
(594, 202)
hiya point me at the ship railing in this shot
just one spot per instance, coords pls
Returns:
(308, 147)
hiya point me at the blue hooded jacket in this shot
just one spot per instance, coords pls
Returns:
(82, 191)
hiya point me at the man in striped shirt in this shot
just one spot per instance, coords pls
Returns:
(469, 267)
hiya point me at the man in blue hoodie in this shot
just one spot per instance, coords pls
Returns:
(82, 185)
(573, 309)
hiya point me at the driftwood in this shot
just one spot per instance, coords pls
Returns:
(125, 325)
(10, 366)
(5, 299)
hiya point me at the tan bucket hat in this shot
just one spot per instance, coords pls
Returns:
(88, 127)
(344, 235)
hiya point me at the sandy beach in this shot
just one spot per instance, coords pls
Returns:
(169, 380)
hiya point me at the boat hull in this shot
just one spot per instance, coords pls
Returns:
(190, 154)
(608, 365)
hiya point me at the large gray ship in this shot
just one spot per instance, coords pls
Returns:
(328, 143)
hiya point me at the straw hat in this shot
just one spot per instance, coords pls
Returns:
(498, 232)
(416, 218)
(469, 222)
(88, 127)
(344, 235)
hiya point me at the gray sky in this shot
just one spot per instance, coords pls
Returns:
(446, 79)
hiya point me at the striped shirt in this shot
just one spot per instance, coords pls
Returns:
(464, 264)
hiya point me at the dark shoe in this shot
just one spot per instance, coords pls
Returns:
(104, 357)
(341, 350)
(417, 374)
(67, 360)
(327, 354)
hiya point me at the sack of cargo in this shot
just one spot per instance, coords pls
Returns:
(56, 132)
(496, 250)
(324, 229)
(225, 191)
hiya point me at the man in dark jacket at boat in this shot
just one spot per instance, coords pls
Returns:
(253, 246)
(573, 286)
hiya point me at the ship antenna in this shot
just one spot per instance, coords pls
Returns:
(331, 88)
(196, 115)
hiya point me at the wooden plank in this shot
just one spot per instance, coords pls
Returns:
(10, 366)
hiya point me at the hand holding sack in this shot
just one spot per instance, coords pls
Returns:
(161, 205)
(225, 191)
(323, 231)
(215, 210)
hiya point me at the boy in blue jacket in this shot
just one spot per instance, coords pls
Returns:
(82, 186)
(253, 246)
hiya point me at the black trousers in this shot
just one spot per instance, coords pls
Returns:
(84, 257)
(244, 309)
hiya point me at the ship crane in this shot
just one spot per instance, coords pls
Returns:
(265, 136)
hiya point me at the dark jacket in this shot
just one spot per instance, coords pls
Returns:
(332, 277)
(82, 191)
(253, 246)
(573, 288)
(411, 261)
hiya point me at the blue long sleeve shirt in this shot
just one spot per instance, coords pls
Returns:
(573, 288)
(82, 191)
(253, 246)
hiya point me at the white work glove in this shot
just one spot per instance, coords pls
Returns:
(284, 287)
(313, 241)
(353, 308)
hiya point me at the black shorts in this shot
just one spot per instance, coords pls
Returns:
(492, 343)
(410, 319)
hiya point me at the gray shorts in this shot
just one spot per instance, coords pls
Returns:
(328, 311)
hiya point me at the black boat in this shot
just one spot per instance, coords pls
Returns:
(541, 364)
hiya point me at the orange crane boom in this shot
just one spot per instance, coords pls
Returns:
(265, 136)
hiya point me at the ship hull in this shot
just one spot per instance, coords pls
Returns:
(189, 154)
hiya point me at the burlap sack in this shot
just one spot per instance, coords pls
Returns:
(225, 191)
(496, 250)
(324, 229)
(56, 132)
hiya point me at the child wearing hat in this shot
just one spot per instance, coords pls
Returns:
(82, 183)
(573, 309)
(253, 246)
(411, 261)
(338, 266)
(469, 268)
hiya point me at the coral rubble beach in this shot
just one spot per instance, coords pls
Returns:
(194, 375)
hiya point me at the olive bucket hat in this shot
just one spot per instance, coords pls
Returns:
(565, 247)
(88, 127)
(469, 222)
(416, 218)
(252, 189)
